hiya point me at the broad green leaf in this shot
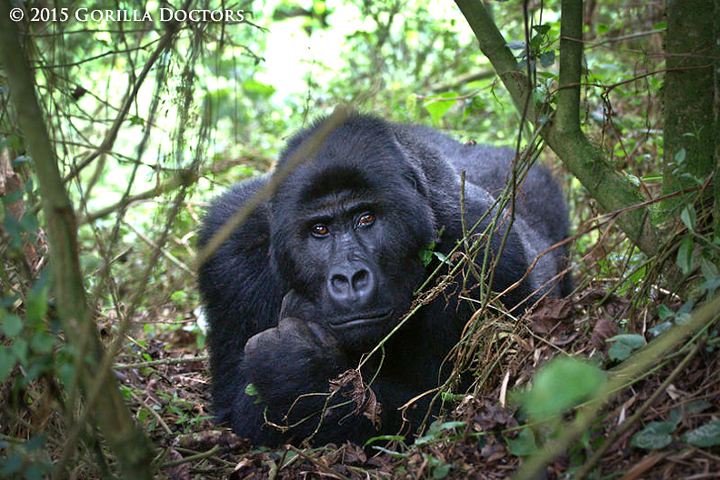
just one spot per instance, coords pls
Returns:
(42, 342)
(708, 268)
(706, 436)
(438, 105)
(542, 29)
(684, 255)
(7, 362)
(660, 328)
(619, 351)
(522, 445)
(623, 345)
(632, 340)
(36, 306)
(12, 325)
(547, 58)
(441, 471)
(251, 390)
(680, 156)
(560, 385)
(664, 312)
(688, 217)
(654, 436)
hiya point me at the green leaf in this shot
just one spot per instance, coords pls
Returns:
(706, 436)
(42, 342)
(619, 351)
(680, 156)
(442, 257)
(251, 390)
(632, 340)
(684, 313)
(560, 385)
(439, 105)
(441, 471)
(542, 29)
(624, 345)
(524, 444)
(708, 268)
(688, 217)
(19, 349)
(12, 325)
(7, 363)
(654, 436)
(547, 58)
(660, 328)
(684, 255)
(36, 306)
(664, 312)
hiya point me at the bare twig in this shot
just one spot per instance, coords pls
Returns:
(163, 361)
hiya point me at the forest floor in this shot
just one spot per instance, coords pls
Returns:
(480, 438)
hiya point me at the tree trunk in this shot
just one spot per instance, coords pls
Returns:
(692, 102)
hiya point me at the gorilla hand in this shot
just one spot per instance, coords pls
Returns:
(295, 358)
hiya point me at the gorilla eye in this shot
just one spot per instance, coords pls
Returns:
(365, 220)
(319, 230)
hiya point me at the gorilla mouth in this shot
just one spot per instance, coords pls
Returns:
(360, 319)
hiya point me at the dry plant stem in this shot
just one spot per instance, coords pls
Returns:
(610, 440)
(304, 153)
(152, 412)
(192, 458)
(633, 367)
(164, 361)
(129, 444)
(319, 465)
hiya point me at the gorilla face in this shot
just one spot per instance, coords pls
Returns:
(347, 230)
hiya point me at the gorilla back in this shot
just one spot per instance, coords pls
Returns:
(327, 268)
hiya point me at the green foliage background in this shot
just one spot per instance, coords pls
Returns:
(214, 106)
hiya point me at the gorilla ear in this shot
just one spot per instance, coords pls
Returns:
(416, 184)
(414, 175)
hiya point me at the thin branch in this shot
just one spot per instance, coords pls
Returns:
(164, 361)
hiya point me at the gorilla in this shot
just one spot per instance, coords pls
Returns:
(325, 269)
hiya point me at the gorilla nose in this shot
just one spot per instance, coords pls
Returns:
(351, 286)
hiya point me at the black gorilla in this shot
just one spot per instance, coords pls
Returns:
(326, 269)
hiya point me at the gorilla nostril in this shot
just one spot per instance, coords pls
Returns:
(339, 283)
(361, 280)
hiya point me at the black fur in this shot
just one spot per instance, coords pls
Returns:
(341, 241)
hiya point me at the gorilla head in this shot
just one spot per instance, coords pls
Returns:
(347, 229)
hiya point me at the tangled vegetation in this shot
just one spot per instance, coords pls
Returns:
(114, 135)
